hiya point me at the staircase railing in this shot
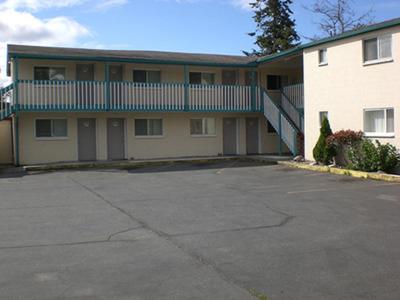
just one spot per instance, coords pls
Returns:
(6, 101)
(283, 126)
(295, 94)
(294, 113)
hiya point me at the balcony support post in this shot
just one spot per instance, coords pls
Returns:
(280, 134)
(253, 91)
(186, 87)
(16, 79)
(16, 137)
(107, 85)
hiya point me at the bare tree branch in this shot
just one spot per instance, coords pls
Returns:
(338, 16)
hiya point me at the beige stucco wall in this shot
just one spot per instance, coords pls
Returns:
(176, 142)
(345, 87)
(5, 142)
(169, 73)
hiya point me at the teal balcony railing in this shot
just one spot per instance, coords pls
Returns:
(129, 96)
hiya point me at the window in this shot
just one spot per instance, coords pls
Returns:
(201, 78)
(46, 128)
(148, 127)
(204, 126)
(379, 122)
(323, 57)
(276, 82)
(145, 76)
(270, 128)
(48, 73)
(378, 48)
(322, 115)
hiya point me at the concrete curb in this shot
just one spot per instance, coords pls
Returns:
(140, 163)
(357, 174)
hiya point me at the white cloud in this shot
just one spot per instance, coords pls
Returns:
(24, 28)
(35, 5)
(244, 4)
(108, 4)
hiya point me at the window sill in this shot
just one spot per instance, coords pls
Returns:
(378, 61)
(149, 137)
(322, 64)
(203, 135)
(51, 138)
(378, 135)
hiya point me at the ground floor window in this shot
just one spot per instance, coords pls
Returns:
(379, 122)
(148, 127)
(51, 128)
(322, 115)
(203, 126)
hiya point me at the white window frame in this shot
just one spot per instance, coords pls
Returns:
(379, 134)
(147, 70)
(325, 63)
(203, 129)
(378, 60)
(49, 66)
(148, 136)
(50, 138)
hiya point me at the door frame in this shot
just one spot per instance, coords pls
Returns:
(96, 136)
(237, 121)
(258, 134)
(125, 136)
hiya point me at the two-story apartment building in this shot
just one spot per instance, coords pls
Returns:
(82, 105)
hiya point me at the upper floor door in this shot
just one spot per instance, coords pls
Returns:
(115, 73)
(84, 91)
(229, 77)
(85, 72)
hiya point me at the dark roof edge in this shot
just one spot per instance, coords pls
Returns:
(346, 35)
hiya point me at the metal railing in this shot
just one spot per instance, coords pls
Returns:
(130, 96)
(294, 114)
(295, 94)
(6, 101)
(283, 126)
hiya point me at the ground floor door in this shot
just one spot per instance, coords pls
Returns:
(87, 139)
(116, 139)
(230, 136)
(252, 134)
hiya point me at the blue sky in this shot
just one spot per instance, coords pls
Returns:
(209, 26)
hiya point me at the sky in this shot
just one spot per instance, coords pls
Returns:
(200, 26)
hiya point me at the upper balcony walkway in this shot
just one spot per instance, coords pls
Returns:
(130, 96)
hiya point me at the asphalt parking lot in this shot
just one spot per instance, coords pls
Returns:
(232, 230)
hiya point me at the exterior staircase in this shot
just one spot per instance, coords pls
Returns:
(6, 102)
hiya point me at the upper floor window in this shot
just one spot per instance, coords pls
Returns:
(378, 48)
(51, 128)
(323, 57)
(201, 78)
(146, 76)
(49, 73)
(148, 127)
(276, 82)
(379, 122)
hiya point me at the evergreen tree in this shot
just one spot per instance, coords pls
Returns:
(275, 30)
(322, 152)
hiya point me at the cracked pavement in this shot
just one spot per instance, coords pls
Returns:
(222, 231)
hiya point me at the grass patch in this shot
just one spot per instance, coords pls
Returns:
(257, 294)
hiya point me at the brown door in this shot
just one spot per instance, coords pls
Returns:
(229, 77)
(116, 139)
(87, 139)
(229, 136)
(84, 89)
(252, 133)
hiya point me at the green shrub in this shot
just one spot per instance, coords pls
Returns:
(324, 152)
(368, 157)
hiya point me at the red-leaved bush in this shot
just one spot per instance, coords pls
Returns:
(345, 137)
